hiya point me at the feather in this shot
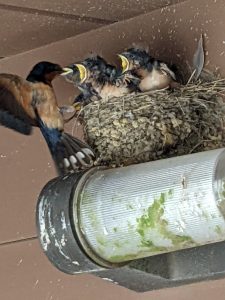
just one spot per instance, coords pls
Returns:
(167, 70)
(12, 113)
(9, 121)
(68, 152)
(198, 59)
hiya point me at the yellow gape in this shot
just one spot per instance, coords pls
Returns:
(125, 63)
(82, 71)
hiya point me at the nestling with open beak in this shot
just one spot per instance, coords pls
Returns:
(96, 79)
(153, 74)
(32, 102)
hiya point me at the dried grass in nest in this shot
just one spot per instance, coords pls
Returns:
(158, 124)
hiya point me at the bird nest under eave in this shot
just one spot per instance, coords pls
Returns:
(155, 125)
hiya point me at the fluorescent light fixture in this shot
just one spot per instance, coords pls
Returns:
(113, 216)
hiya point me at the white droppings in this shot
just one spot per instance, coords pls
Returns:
(36, 283)
(52, 230)
(123, 35)
(60, 246)
(20, 262)
(44, 237)
(63, 220)
(63, 240)
(75, 263)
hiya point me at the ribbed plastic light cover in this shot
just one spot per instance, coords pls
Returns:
(151, 208)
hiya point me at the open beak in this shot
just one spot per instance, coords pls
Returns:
(66, 71)
(82, 72)
(125, 63)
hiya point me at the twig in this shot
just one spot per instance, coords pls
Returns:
(192, 75)
(197, 145)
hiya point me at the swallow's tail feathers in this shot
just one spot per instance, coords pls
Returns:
(68, 152)
(77, 153)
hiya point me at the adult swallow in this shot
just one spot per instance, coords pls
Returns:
(32, 102)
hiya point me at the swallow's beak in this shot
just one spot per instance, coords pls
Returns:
(82, 72)
(125, 63)
(66, 71)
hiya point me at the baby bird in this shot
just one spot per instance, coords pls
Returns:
(32, 102)
(96, 79)
(153, 74)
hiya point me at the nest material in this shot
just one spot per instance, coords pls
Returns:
(158, 124)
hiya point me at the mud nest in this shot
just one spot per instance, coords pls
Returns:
(158, 124)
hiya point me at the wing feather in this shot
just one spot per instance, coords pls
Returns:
(14, 100)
